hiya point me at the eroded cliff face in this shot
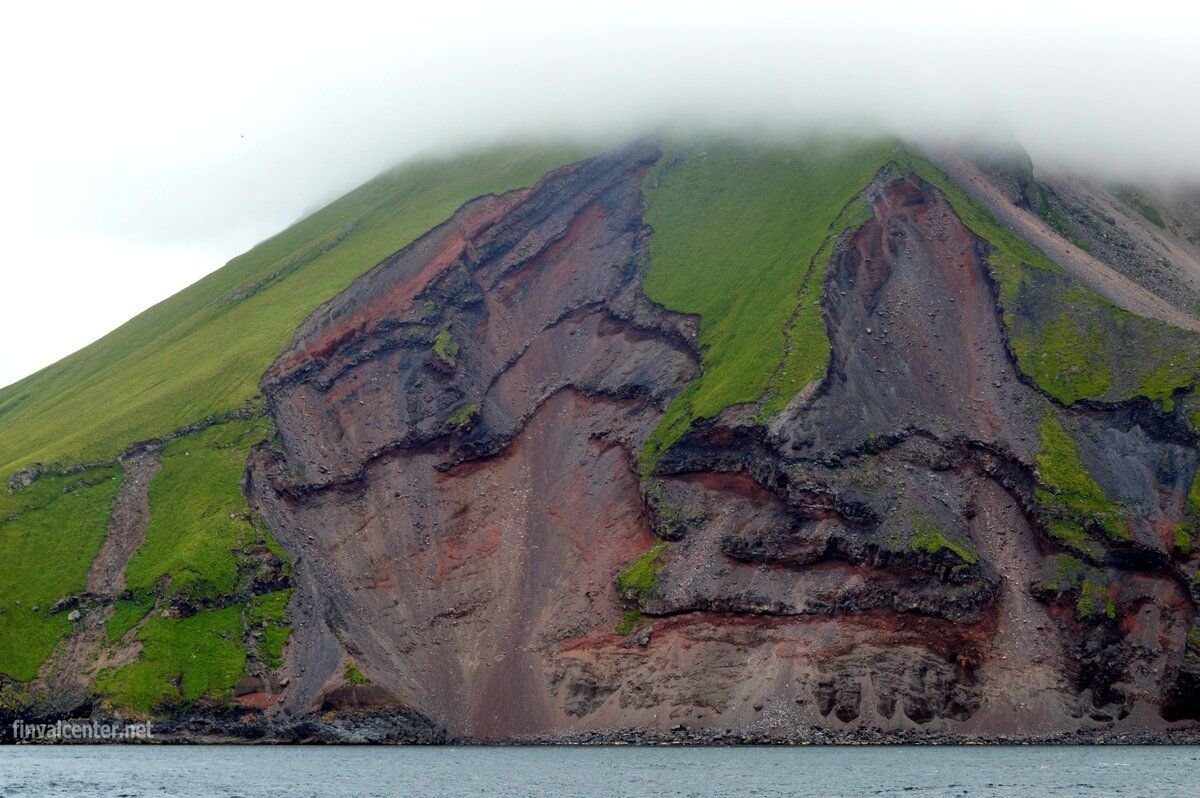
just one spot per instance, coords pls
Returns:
(456, 479)
(458, 430)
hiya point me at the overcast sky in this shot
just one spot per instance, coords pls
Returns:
(144, 144)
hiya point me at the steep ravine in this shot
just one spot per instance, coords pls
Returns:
(456, 481)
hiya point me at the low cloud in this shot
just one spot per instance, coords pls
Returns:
(209, 129)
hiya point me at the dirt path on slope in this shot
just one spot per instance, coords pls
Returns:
(69, 672)
(126, 525)
(1101, 278)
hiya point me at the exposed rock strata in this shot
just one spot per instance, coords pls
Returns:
(456, 483)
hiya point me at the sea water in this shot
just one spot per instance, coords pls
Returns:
(574, 772)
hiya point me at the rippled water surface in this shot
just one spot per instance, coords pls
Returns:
(1027, 772)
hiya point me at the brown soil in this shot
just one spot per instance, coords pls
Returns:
(126, 525)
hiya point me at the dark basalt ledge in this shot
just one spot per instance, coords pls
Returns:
(456, 484)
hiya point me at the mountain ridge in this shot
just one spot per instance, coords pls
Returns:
(333, 244)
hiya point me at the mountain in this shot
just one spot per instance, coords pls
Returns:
(694, 439)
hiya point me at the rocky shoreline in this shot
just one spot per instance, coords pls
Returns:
(684, 737)
(402, 727)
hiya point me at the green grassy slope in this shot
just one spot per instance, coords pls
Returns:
(49, 535)
(202, 351)
(200, 516)
(736, 230)
(182, 660)
(742, 235)
(196, 542)
(195, 548)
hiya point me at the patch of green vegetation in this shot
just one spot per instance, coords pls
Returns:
(1093, 595)
(1094, 350)
(1070, 496)
(50, 533)
(1071, 534)
(807, 350)
(1185, 533)
(641, 576)
(182, 660)
(1089, 586)
(1070, 363)
(737, 228)
(629, 622)
(445, 348)
(15, 699)
(201, 352)
(1193, 498)
(1052, 216)
(463, 416)
(127, 612)
(929, 538)
(1183, 539)
(1068, 574)
(198, 513)
(354, 677)
(1193, 639)
(1161, 383)
(1152, 214)
(668, 521)
(1107, 353)
(267, 615)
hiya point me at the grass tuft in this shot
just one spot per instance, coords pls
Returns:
(445, 348)
(463, 416)
(929, 538)
(127, 613)
(640, 577)
(629, 622)
(1183, 539)
(354, 677)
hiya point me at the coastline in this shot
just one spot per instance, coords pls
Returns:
(402, 728)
